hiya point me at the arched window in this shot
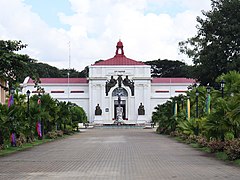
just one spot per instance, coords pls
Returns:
(119, 91)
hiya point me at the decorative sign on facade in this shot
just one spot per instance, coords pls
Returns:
(126, 82)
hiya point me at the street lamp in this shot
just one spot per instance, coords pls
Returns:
(188, 107)
(182, 102)
(208, 89)
(12, 91)
(197, 94)
(189, 87)
(208, 99)
(28, 95)
(222, 87)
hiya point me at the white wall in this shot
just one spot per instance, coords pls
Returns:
(98, 76)
(150, 94)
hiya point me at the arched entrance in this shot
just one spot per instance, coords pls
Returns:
(119, 96)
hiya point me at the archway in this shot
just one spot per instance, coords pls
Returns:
(123, 94)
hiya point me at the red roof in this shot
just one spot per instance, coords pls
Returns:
(173, 80)
(61, 80)
(119, 59)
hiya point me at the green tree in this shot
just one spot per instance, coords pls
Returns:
(63, 115)
(77, 116)
(84, 73)
(216, 47)
(168, 68)
(44, 70)
(14, 67)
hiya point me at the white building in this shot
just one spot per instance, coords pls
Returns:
(118, 81)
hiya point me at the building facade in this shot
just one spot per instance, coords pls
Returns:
(118, 86)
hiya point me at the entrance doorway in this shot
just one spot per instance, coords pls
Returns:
(123, 94)
(123, 105)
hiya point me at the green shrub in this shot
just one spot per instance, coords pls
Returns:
(1, 146)
(228, 136)
(174, 133)
(52, 135)
(21, 139)
(202, 141)
(191, 139)
(59, 133)
(232, 149)
(68, 132)
(216, 145)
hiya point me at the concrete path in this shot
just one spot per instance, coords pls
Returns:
(115, 154)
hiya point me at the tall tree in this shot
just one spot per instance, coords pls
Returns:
(13, 67)
(47, 71)
(168, 68)
(216, 47)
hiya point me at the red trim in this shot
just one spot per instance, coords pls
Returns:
(181, 91)
(161, 91)
(61, 80)
(57, 91)
(76, 91)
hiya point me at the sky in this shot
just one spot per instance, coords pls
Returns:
(76, 33)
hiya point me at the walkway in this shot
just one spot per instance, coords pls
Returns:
(115, 154)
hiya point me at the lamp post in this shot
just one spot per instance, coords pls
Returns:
(208, 99)
(12, 91)
(208, 89)
(30, 124)
(182, 102)
(189, 87)
(188, 107)
(28, 95)
(222, 87)
(197, 94)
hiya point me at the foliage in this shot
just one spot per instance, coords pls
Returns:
(225, 116)
(54, 134)
(168, 68)
(232, 149)
(52, 114)
(216, 145)
(217, 131)
(188, 127)
(14, 67)
(47, 71)
(215, 48)
(202, 141)
(217, 122)
(164, 117)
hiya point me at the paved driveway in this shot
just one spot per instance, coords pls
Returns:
(124, 154)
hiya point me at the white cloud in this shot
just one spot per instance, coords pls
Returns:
(96, 26)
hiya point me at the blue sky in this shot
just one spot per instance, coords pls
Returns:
(49, 9)
(170, 7)
(149, 29)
